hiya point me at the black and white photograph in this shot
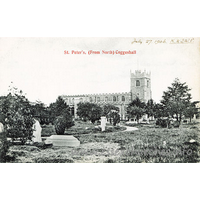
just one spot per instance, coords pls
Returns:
(100, 100)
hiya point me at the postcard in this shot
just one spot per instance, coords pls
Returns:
(100, 100)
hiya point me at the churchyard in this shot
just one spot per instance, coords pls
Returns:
(165, 132)
(148, 144)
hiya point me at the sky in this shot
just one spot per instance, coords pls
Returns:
(39, 67)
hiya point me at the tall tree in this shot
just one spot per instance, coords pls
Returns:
(136, 109)
(59, 108)
(16, 116)
(176, 99)
(150, 108)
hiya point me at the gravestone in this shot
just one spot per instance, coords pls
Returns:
(103, 123)
(37, 132)
(63, 141)
(1, 127)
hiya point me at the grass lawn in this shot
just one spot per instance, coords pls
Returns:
(146, 145)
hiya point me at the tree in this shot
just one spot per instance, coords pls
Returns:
(84, 110)
(115, 116)
(95, 113)
(176, 99)
(108, 108)
(16, 116)
(150, 108)
(58, 108)
(108, 111)
(136, 109)
(59, 114)
(138, 103)
(89, 111)
(41, 112)
(191, 110)
(160, 111)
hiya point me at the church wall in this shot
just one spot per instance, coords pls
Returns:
(140, 86)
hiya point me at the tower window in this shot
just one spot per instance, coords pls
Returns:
(147, 83)
(137, 83)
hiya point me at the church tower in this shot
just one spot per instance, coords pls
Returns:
(141, 85)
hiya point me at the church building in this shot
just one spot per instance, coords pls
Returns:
(140, 86)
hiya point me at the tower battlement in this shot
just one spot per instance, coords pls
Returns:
(141, 85)
(140, 74)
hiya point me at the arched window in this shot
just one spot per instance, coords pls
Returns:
(98, 99)
(106, 99)
(114, 98)
(123, 98)
(137, 83)
(90, 99)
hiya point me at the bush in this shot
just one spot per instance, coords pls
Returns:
(48, 130)
(176, 124)
(63, 122)
(162, 122)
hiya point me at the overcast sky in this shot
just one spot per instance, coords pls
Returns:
(39, 67)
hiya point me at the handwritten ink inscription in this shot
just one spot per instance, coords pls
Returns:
(163, 41)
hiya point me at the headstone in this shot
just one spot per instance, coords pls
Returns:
(192, 141)
(1, 127)
(63, 141)
(103, 123)
(37, 132)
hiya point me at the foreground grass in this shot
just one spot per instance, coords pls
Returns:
(146, 145)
